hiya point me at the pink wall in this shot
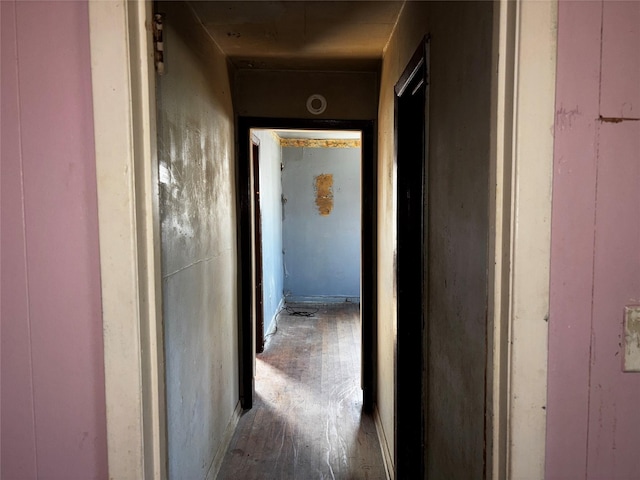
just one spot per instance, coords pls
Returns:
(593, 423)
(52, 383)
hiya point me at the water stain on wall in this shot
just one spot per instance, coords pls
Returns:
(319, 143)
(324, 193)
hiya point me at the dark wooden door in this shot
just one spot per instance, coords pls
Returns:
(411, 140)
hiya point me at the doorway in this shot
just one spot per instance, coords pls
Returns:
(247, 246)
(411, 96)
(307, 221)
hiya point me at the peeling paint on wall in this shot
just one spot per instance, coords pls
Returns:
(565, 118)
(632, 338)
(617, 119)
(317, 143)
(324, 193)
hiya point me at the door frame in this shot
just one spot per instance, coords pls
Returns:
(257, 245)
(521, 171)
(368, 299)
(124, 116)
(523, 91)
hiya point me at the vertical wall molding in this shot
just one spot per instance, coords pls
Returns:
(499, 237)
(523, 99)
(124, 117)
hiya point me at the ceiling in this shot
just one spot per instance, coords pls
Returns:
(328, 35)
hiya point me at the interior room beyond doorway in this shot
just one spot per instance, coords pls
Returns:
(307, 218)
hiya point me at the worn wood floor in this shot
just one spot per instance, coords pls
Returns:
(307, 420)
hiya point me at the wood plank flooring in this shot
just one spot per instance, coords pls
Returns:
(307, 420)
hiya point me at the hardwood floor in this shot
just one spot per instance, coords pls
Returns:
(307, 420)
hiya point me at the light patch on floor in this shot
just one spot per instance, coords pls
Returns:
(307, 420)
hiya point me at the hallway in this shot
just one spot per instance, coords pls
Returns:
(306, 422)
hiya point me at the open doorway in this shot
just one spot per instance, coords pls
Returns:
(307, 220)
(366, 269)
(307, 266)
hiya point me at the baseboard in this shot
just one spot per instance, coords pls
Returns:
(387, 457)
(214, 469)
(273, 325)
(321, 299)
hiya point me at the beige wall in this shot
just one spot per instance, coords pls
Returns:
(284, 94)
(459, 120)
(197, 208)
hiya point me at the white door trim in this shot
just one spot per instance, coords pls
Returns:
(525, 44)
(128, 216)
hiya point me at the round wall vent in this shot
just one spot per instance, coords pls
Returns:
(316, 104)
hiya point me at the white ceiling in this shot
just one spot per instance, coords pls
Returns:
(336, 35)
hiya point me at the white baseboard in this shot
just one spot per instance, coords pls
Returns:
(273, 325)
(387, 456)
(214, 469)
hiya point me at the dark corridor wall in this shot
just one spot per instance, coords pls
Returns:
(458, 224)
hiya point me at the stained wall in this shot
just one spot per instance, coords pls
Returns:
(198, 225)
(53, 420)
(592, 420)
(458, 226)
